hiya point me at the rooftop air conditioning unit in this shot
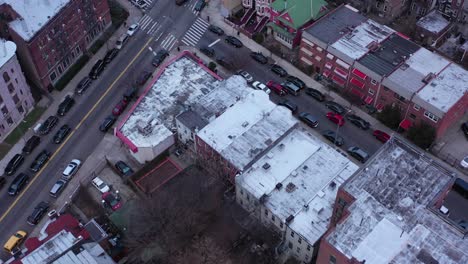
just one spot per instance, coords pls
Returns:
(266, 166)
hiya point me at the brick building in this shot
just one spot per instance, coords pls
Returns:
(391, 212)
(15, 96)
(52, 35)
(380, 67)
(387, 10)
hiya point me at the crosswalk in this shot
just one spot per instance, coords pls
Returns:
(191, 6)
(148, 25)
(195, 32)
(169, 42)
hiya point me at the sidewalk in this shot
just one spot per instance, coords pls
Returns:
(53, 99)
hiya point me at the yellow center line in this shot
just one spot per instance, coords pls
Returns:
(74, 130)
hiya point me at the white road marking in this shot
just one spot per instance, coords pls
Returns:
(212, 44)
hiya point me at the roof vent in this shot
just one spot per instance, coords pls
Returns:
(281, 146)
(290, 218)
(294, 173)
(266, 166)
(332, 185)
(306, 207)
(230, 136)
(428, 78)
(279, 185)
(305, 167)
(404, 66)
(245, 124)
(290, 187)
(270, 155)
(263, 198)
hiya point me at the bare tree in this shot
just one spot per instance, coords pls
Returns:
(203, 250)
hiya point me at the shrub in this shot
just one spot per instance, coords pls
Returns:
(212, 66)
(422, 135)
(258, 37)
(390, 116)
(74, 69)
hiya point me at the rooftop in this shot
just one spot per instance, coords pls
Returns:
(247, 128)
(389, 55)
(408, 78)
(332, 26)
(393, 218)
(7, 51)
(299, 12)
(433, 22)
(356, 43)
(177, 86)
(445, 90)
(192, 120)
(34, 15)
(309, 173)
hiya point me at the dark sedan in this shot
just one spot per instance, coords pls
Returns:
(38, 213)
(217, 30)
(331, 136)
(309, 119)
(83, 85)
(290, 105)
(234, 41)
(47, 126)
(279, 70)
(335, 107)
(65, 105)
(358, 121)
(61, 134)
(208, 51)
(107, 123)
(259, 57)
(296, 81)
(110, 55)
(13, 164)
(123, 168)
(317, 95)
(40, 161)
(160, 57)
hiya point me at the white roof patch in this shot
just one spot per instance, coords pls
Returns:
(7, 51)
(433, 22)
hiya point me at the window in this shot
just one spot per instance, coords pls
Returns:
(273, 218)
(371, 92)
(299, 240)
(308, 247)
(298, 250)
(332, 259)
(431, 116)
(20, 109)
(266, 212)
(248, 197)
(241, 191)
(12, 70)
(385, 8)
(5, 110)
(53, 76)
(6, 77)
(385, 88)
(77, 49)
(10, 121)
(11, 88)
(412, 116)
(416, 107)
(16, 80)
(1, 100)
(15, 99)
(60, 70)
(292, 234)
(374, 82)
(73, 54)
(290, 245)
(281, 224)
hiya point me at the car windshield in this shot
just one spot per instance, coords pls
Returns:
(101, 185)
(125, 169)
(111, 200)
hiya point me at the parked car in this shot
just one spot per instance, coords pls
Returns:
(208, 51)
(31, 144)
(291, 88)
(331, 136)
(111, 200)
(38, 213)
(200, 5)
(61, 134)
(18, 183)
(132, 29)
(83, 85)
(233, 41)
(464, 128)
(245, 75)
(15, 241)
(160, 56)
(335, 107)
(217, 30)
(130, 93)
(464, 163)
(298, 82)
(107, 123)
(2, 181)
(381, 136)
(336, 118)
(317, 95)
(65, 105)
(290, 105)
(143, 77)
(119, 107)
(259, 57)
(71, 169)
(57, 188)
(123, 168)
(180, 2)
(278, 70)
(358, 121)
(121, 41)
(47, 126)
(100, 185)
(309, 119)
(97, 69)
(13, 164)
(40, 161)
(226, 63)
(277, 88)
(358, 154)
(110, 55)
(260, 86)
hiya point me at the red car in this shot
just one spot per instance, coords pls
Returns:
(381, 136)
(277, 88)
(111, 200)
(119, 107)
(336, 118)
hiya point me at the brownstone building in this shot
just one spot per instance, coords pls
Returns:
(51, 35)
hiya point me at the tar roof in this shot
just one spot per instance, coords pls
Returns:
(309, 173)
(180, 84)
(332, 26)
(408, 78)
(246, 129)
(7, 51)
(445, 90)
(192, 120)
(356, 43)
(392, 219)
(34, 15)
(388, 56)
(433, 22)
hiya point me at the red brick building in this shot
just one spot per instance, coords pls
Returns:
(380, 67)
(52, 35)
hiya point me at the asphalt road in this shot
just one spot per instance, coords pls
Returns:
(103, 94)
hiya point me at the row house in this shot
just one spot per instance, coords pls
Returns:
(55, 37)
(387, 10)
(362, 58)
(15, 96)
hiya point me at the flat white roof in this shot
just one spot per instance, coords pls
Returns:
(34, 15)
(445, 90)
(247, 128)
(7, 51)
(50, 249)
(355, 43)
(182, 83)
(433, 22)
(309, 172)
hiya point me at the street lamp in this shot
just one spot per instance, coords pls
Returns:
(338, 126)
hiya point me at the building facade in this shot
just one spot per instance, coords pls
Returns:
(15, 96)
(51, 41)
(381, 67)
